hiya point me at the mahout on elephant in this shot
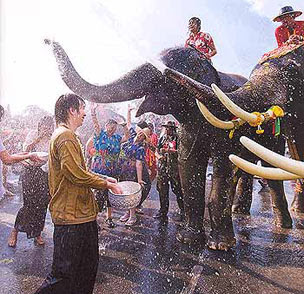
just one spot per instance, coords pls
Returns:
(199, 139)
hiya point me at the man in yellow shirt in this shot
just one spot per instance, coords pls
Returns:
(73, 207)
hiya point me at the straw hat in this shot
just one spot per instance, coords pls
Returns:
(287, 10)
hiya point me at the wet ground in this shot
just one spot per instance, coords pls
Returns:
(147, 258)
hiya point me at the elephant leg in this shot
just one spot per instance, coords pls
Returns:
(193, 155)
(297, 152)
(279, 204)
(276, 190)
(219, 205)
(297, 204)
(193, 178)
(243, 197)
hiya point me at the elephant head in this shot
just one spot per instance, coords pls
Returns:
(277, 81)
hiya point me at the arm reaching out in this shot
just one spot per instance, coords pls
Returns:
(127, 126)
(96, 124)
(9, 159)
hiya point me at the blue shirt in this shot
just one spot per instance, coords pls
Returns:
(105, 159)
(130, 152)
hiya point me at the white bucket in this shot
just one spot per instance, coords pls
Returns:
(130, 197)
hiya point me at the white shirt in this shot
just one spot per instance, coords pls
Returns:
(42, 146)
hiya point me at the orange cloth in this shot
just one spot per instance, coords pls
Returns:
(151, 157)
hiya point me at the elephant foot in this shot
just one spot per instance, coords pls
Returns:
(222, 242)
(240, 209)
(298, 203)
(190, 236)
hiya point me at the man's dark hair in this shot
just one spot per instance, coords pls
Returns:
(1, 112)
(63, 105)
(151, 126)
(197, 21)
(142, 124)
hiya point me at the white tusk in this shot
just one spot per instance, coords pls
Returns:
(290, 165)
(270, 173)
(227, 125)
(232, 107)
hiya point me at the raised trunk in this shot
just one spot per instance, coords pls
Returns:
(133, 85)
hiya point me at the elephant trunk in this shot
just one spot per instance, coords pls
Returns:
(133, 85)
(201, 92)
(252, 96)
(208, 100)
(206, 95)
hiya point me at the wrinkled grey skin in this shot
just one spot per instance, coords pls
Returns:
(199, 140)
(278, 81)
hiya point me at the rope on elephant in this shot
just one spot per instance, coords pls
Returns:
(279, 52)
(274, 113)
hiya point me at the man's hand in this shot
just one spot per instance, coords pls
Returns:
(294, 39)
(142, 183)
(161, 157)
(114, 187)
(111, 180)
(34, 157)
(164, 150)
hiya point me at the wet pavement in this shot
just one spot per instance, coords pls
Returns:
(147, 258)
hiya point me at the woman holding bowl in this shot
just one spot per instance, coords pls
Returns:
(31, 216)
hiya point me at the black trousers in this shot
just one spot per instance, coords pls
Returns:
(31, 216)
(75, 260)
(163, 182)
(102, 197)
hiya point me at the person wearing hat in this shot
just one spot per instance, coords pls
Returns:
(168, 173)
(291, 30)
(133, 167)
(200, 41)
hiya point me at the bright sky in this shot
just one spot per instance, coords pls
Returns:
(107, 38)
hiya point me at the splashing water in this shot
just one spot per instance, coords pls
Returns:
(102, 248)
(129, 39)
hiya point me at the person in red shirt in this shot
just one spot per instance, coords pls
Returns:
(290, 31)
(200, 41)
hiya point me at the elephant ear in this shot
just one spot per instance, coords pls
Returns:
(155, 103)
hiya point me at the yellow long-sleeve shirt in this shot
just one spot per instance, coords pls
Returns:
(70, 182)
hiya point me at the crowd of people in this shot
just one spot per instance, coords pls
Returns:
(73, 172)
(74, 182)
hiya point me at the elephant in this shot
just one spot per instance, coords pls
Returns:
(278, 79)
(198, 139)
